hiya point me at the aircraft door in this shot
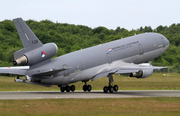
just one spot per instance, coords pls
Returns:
(66, 72)
(141, 51)
(109, 58)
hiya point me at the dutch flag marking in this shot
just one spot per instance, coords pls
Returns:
(42, 53)
(110, 50)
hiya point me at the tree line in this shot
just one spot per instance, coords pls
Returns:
(70, 37)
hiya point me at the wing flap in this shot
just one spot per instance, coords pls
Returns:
(104, 73)
(100, 75)
(125, 71)
(141, 68)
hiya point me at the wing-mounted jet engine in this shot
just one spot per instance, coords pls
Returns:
(142, 73)
(37, 55)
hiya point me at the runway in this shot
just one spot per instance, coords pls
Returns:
(92, 94)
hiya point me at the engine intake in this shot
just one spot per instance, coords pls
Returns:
(136, 74)
(142, 73)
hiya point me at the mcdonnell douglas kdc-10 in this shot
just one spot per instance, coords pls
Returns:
(123, 56)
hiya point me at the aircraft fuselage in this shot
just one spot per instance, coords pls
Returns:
(84, 64)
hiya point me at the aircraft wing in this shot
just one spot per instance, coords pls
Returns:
(123, 67)
(21, 70)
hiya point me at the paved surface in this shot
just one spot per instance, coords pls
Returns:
(92, 94)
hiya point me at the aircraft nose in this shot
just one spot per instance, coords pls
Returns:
(165, 42)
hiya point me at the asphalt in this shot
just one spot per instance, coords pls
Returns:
(92, 94)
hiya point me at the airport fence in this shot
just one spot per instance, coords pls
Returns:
(169, 70)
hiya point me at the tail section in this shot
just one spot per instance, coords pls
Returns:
(34, 51)
(28, 38)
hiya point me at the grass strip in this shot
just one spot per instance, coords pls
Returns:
(156, 106)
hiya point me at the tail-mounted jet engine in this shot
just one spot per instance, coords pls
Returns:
(37, 55)
(142, 73)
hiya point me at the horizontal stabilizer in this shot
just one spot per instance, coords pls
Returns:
(14, 70)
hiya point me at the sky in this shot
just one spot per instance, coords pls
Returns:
(128, 14)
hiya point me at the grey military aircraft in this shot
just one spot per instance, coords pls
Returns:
(123, 56)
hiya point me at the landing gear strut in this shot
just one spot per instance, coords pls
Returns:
(67, 88)
(17, 77)
(87, 87)
(110, 88)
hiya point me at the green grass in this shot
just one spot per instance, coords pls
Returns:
(157, 81)
(157, 106)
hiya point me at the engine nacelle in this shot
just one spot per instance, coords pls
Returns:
(142, 73)
(37, 55)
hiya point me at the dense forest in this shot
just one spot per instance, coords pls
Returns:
(69, 38)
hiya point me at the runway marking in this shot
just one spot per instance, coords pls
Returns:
(92, 94)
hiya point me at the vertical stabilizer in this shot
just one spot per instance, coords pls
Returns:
(28, 38)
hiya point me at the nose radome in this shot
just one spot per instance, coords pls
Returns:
(166, 41)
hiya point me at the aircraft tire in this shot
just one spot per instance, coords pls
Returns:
(85, 88)
(110, 88)
(105, 89)
(115, 88)
(68, 88)
(62, 89)
(89, 88)
(73, 88)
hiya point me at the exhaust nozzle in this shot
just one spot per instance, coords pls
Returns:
(20, 61)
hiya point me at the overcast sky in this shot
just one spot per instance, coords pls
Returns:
(129, 14)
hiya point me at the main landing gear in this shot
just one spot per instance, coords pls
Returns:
(87, 87)
(110, 88)
(67, 88)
